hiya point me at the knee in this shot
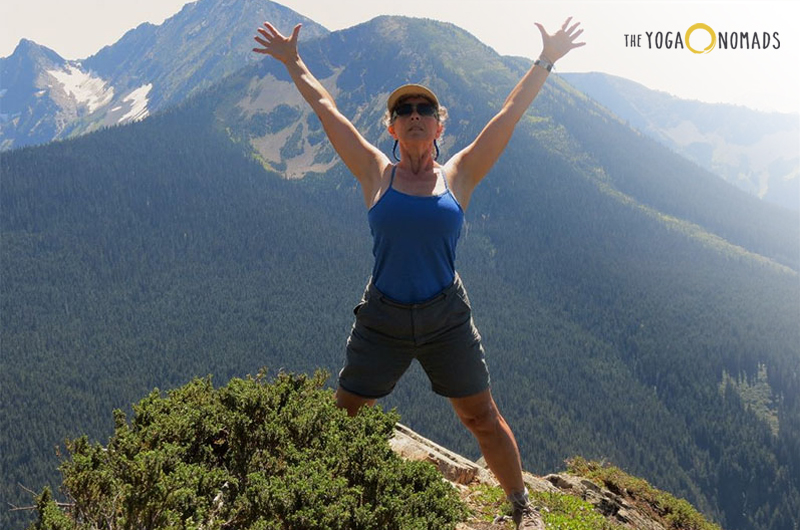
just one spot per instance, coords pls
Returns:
(351, 402)
(485, 420)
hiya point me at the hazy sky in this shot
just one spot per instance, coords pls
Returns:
(766, 79)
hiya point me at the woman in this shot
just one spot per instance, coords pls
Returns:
(415, 305)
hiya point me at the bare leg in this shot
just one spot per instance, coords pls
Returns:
(480, 415)
(351, 402)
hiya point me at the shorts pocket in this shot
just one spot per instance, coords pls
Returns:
(464, 299)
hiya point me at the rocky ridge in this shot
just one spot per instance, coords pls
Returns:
(621, 508)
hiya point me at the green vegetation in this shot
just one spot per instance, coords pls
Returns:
(565, 512)
(757, 395)
(250, 455)
(676, 514)
(487, 502)
(282, 116)
(559, 511)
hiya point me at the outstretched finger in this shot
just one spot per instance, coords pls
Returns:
(572, 28)
(574, 44)
(271, 29)
(264, 33)
(577, 34)
(566, 23)
(295, 32)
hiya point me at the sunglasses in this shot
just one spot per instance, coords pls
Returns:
(423, 109)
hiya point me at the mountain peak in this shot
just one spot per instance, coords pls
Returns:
(150, 68)
(31, 50)
(420, 31)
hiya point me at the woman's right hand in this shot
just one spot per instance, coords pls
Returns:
(275, 44)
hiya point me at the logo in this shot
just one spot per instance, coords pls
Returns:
(720, 40)
(710, 31)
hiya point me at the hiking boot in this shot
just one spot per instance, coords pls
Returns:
(527, 518)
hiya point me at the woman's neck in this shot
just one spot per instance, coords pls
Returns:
(416, 162)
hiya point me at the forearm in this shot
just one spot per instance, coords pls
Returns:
(309, 86)
(474, 161)
(554, 47)
(361, 158)
(523, 94)
(498, 131)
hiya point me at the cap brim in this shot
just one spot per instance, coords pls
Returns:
(410, 90)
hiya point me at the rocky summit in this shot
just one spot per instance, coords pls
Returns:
(621, 507)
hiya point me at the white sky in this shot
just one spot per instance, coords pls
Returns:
(765, 79)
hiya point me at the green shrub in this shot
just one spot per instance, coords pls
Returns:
(250, 455)
(487, 502)
(674, 513)
(565, 512)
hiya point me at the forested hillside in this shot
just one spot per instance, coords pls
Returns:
(758, 152)
(634, 307)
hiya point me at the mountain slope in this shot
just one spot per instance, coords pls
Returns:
(615, 285)
(149, 69)
(276, 122)
(31, 111)
(756, 151)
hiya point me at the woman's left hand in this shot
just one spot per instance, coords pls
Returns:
(556, 46)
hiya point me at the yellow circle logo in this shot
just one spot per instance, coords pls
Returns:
(710, 31)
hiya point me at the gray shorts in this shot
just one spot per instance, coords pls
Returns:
(388, 335)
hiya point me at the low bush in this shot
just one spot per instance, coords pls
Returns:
(254, 454)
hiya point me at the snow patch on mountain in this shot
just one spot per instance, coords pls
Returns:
(84, 87)
(138, 101)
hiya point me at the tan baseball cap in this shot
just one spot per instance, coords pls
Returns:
(410, 90)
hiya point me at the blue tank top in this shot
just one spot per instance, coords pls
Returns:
(414, 243)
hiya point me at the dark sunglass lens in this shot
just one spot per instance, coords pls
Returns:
(423, 109)
(404, 110)
(426, 109)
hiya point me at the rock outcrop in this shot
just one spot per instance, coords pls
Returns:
(619, 507)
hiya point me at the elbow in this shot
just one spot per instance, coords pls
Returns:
(326, 105)
(509, 115)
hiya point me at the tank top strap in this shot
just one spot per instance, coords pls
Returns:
(391, 179)
(444, 176)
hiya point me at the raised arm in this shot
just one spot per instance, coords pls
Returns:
(363, 159)
(471, 164)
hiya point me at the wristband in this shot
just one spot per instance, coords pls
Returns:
(544, 63)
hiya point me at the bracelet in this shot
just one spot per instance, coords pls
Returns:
(544, 63)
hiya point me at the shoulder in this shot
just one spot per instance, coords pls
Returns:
(459, 183)
(377, 183)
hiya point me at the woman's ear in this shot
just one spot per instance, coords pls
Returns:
(390, 129)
